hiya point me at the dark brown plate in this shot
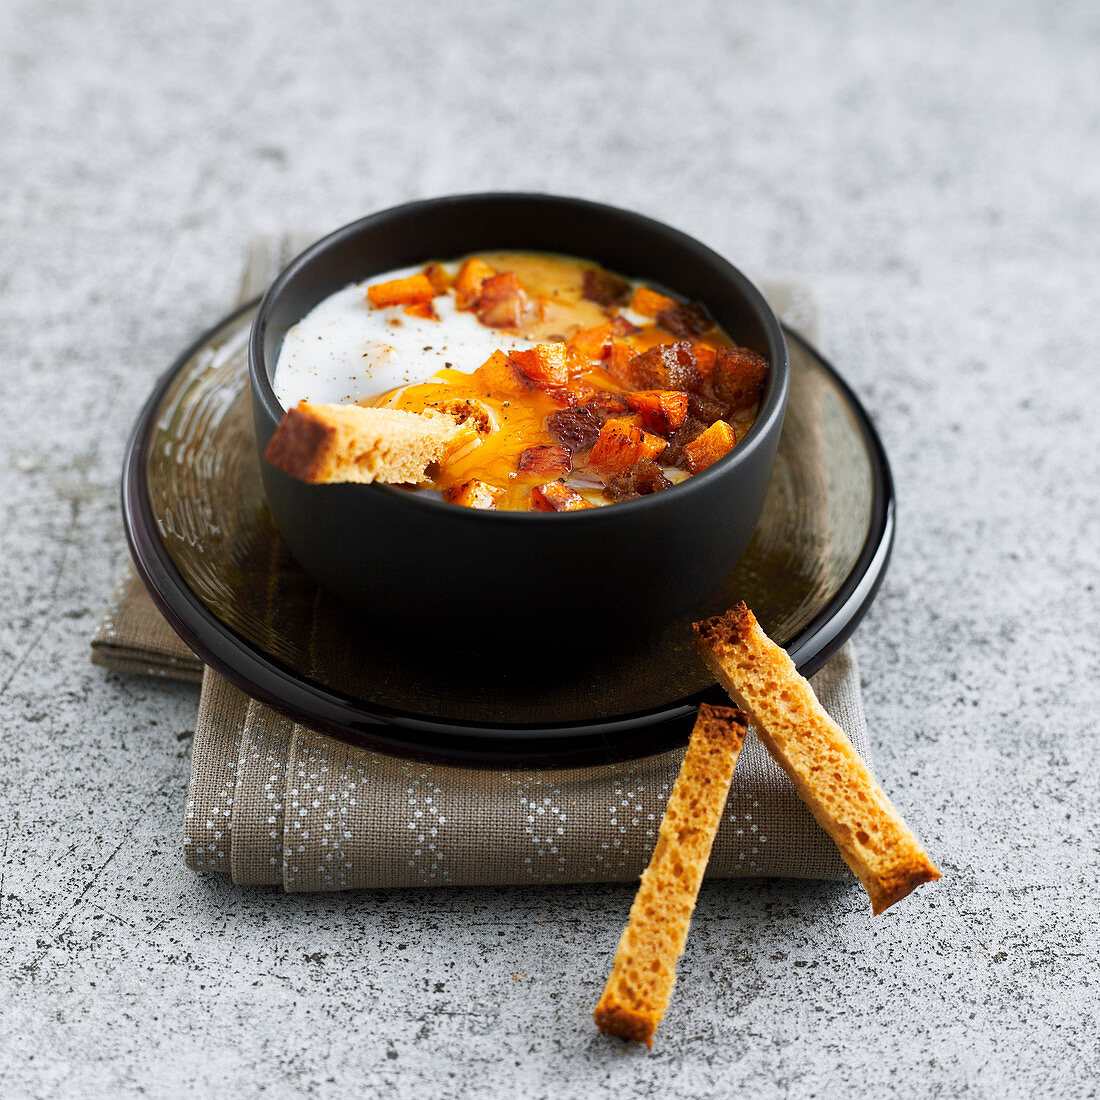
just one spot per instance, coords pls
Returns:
(203, 541)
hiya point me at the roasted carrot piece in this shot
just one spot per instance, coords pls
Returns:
(609, 404)
(401, 292)
(468, 282)
(650, 447)
(592, 343)
(556, 497)
(577, 392)
(545, 364)
(422, 309)
(617, 447)
(662, 410)
(709, 446)
(618, 357)
(498, 376)
(474, 494)
(436, 274)
(649, 303)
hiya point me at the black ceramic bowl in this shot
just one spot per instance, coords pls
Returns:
(525, 584)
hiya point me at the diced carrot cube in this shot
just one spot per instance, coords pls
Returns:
(544, 364)
(422, 309)
(662, 410)
(436, 274)
(577, 392)
(617, 447)
(473, 494)
(401, 292)
(556, 497)
(704, 358)
(709, 446)
(609, 404)
(650, 446)
(619, 356)
(593, 343)
(545, 459)
(649, 303)
(497, 376)
(468, 282)
(503, 303)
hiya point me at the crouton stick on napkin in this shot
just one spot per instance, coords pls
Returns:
(640, 987)
(814, 751)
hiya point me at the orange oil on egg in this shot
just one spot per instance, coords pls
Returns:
(519, 413)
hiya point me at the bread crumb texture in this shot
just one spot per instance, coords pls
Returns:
(640, 986)
(816, 754)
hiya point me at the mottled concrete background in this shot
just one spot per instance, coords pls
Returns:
(933, 172)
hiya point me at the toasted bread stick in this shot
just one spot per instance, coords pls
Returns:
(815, 752)
(327, 443)
(640, 986)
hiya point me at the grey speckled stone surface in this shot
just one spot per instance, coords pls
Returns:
(934, 175)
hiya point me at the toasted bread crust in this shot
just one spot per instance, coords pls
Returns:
(816, 754)
(640, 986)
(331, 443)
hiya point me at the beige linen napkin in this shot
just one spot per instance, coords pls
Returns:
(274, 802)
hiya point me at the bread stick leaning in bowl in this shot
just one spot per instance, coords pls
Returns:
(816, 754)
(322, 444)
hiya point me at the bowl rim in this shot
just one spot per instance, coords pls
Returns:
(769, 418)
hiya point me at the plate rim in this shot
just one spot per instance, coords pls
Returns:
(477, 743)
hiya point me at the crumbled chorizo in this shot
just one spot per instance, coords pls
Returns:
(739, 376)
(689, 430)
(502, 302)
(577, 428)
(641, 479)
(544, 459)
(474, 414)
(665, 367)
(685, 319)
(603, 287)
(705, 409)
